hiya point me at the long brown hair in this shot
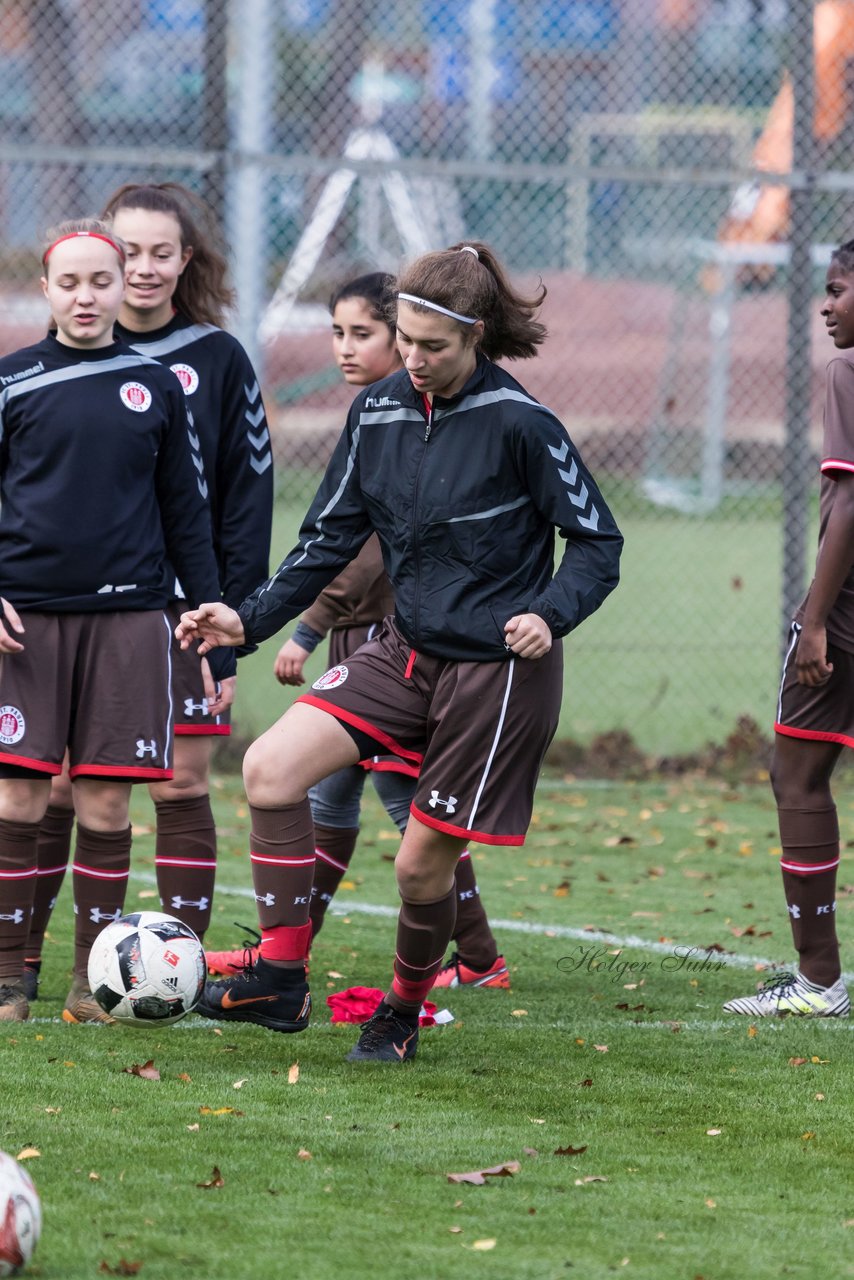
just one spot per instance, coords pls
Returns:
(468, 279)
(203, 293)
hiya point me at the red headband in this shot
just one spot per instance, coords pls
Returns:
(94, 235)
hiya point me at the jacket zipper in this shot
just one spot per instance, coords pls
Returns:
(415, 609)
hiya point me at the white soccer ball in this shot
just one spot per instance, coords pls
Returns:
(147, 967)
(20, 1216)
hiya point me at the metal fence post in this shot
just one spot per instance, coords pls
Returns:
(796, 471)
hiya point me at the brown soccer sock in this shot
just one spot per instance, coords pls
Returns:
(810, 839)
(17, 886)
(334, 848)
(475, 943)
(185, 858)
(54, 848)
(100, 875)
(282, 854)
(423, 932)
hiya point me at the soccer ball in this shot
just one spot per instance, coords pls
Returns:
(147, 967)
(20, 1216)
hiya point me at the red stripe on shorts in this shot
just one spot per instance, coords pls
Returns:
(358, 723)
(379, 764)
(40, 765)
(465, 833)
(814, 735)
(117, 771)
(202, 730)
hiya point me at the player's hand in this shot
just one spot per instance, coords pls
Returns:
(218, 699)
(289, 663)
(811, 665)
(8, 644)
(214, 624)
(527, 635)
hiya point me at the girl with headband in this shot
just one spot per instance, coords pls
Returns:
(99, 485)
(464, 477)
(351, 609)
(174, 307)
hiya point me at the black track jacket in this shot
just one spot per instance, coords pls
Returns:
(465, 501)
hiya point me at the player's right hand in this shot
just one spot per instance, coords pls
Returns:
(8, 644)
(811, 665)
(289, 663)
(214, 624)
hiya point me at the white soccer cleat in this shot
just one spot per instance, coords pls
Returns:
(790, 994)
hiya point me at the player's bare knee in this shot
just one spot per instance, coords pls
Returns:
(101, 806)
(266, 783)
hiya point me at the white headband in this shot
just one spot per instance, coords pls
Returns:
(434, 306)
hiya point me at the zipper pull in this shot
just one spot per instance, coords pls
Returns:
(427, 432)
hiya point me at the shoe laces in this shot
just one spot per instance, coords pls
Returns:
(248, 944)
(376, 1029)
(778, 982)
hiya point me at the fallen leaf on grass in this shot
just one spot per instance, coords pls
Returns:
(302, 1154)
(478, 1176)
(293, 1073)
(455, 1231)
(751, 1032)
(483, 1246)
(570, 1151)
(186, 1078)
(28, 1153)
(192, 1128)
(94, 1177)
(216, 1180)
(601, 1048)
(711, 1204)
(238, 1084)
(147, 1071)
(806, 1136)
(519, 1013)
(219, 1111)
(585, 1084)
(530, 1151)
(594, 1177)
(797, 1062)
(712, 1133)
(821, 1061)
(122, 1268)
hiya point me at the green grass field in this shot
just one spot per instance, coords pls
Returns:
(655, 1137)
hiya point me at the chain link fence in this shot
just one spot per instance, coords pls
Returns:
(654, 161)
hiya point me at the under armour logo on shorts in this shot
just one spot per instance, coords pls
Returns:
(449, 805)
(190, 706)
(144, 748)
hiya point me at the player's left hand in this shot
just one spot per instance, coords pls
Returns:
(218, 699)
(214, 624)
(8, 643)
(527, 635)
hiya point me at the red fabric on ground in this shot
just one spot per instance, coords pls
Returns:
(357, 1004)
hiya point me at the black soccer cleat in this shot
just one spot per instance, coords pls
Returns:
(386, 1037)
(259, 994)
